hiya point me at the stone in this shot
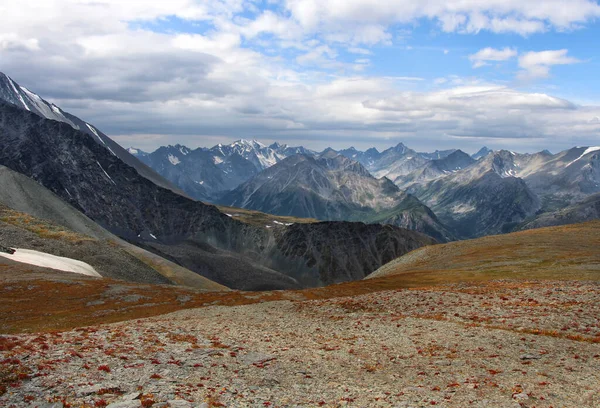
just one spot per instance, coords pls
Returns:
(530, 357)
(126, 404)
(521, 396)
(179, 404)
(132, 396)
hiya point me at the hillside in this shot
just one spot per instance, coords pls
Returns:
(564, 252)
(555, 253)
(586, 210)
(513, 316)
(28, 204)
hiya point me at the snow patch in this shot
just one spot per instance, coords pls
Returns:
(12, 84)
(91, 128)
(45, 260)
(152, 236)
(174, 160)
(463, 208)
(132, 150)
(587, 151)
(287, 224)
(102, 168)
(217, 160)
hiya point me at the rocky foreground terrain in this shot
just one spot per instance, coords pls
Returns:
(494, 344)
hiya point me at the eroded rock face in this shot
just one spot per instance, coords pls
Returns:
(345, 251)
(113, 194)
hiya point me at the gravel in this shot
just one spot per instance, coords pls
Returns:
(498, 345)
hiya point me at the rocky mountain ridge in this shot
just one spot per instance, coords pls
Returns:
(333, 187)
(86, 175)
(13, 93)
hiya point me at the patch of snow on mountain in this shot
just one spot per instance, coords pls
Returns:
(110, 178)
(463, 208)
(12, 84)
(43, 108)
(91, 128)
(45, 260)
(587, 151)
(174, 160)
(132, 150)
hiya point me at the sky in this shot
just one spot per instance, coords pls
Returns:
(434, 74)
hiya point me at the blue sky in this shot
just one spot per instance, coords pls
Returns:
(509, 74)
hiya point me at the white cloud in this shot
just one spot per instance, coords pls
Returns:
(538, 64)
(481, 57)
(99, 62)
(358, 50)
(12, 42)
(523, 17)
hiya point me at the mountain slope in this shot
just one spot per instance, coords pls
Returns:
(396, 161)
(49, 212)
(19, 230)
(564, 178)
(437, 155)
(555, 253)
(23, 98)
(453, 162)
(484, 151)
(483, 199)
(586, 210)
(113, 194)
(333, 187)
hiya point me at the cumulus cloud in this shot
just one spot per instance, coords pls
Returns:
(100, 61)
(468, 16)
(538, 64)
(483, 56)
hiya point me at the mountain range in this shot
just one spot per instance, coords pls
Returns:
(126, 201)
(150, 199)
(206, 174)
(333, 187)
(456, 195)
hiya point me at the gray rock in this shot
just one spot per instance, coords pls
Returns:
(521, 396)
(257, 358)
(126, 404)
(179, 404)
(530, 357)
(132, 396)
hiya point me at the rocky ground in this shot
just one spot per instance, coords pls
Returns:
(501, 344)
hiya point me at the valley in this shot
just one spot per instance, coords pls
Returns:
(253, 275)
